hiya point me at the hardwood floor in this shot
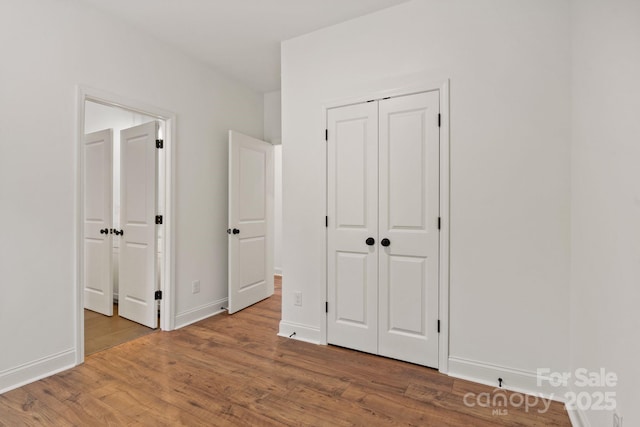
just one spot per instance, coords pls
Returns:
(234, 370)
(103, 332)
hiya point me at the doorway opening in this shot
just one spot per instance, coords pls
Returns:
(124, 221)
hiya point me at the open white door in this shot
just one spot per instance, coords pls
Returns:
(138, 242)
(250, 221)
(98, 211)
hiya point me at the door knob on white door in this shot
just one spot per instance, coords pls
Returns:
(385, 242)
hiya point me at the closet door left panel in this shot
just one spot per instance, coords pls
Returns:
(98, 212)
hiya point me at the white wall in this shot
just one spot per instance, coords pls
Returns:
(273, 134)
(509, 66)
(277, 204)
(273, 117)
(48, 47)
(605, 207)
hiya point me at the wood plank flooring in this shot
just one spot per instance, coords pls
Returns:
(234, 370)
(103, 332)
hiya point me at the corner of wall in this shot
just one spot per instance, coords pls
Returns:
(200, 313)
(577, 417)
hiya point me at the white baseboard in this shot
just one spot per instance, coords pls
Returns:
(304, 333)
(578, 418)
(36, 370)
(517, 380)
(199, 313)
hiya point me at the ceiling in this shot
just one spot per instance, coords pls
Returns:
(239, 38)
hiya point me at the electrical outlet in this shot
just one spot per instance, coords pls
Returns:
(298, 298)
(195, 286)
(617, 420)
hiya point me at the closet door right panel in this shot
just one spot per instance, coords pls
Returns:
(408, 218)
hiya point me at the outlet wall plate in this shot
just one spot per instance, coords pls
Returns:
(298, 298)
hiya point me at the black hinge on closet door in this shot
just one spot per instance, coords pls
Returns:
(159, 143)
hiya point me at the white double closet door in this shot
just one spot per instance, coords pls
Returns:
(383, 227)
(137, 274)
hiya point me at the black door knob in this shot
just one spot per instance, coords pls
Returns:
(370, 241)
(104, 231)
(385, 242)
(236, 231)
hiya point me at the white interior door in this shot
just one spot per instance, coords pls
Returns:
(383, 190)
(409, 210)
(352, 262)
(138, 210)
(250, 221)
(98, 211)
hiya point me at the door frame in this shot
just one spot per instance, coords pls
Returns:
(391, 88)
(167, 264)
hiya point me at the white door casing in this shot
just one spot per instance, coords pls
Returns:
(383, 182)
(408, 218)
(98, 211)
(352, 208)
(250, 232)
(138, 195)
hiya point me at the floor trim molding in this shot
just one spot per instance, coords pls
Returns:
(516, 380)
(577, 417)
(200, 313)
(33, 371)
(299, 332)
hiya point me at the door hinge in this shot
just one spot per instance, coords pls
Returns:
(439, 119)
(326, 134)
(326, 221)
(438, 325)
(159, 143)
(439, 223)
(158, 295)
(158, 219)
(326, 306)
